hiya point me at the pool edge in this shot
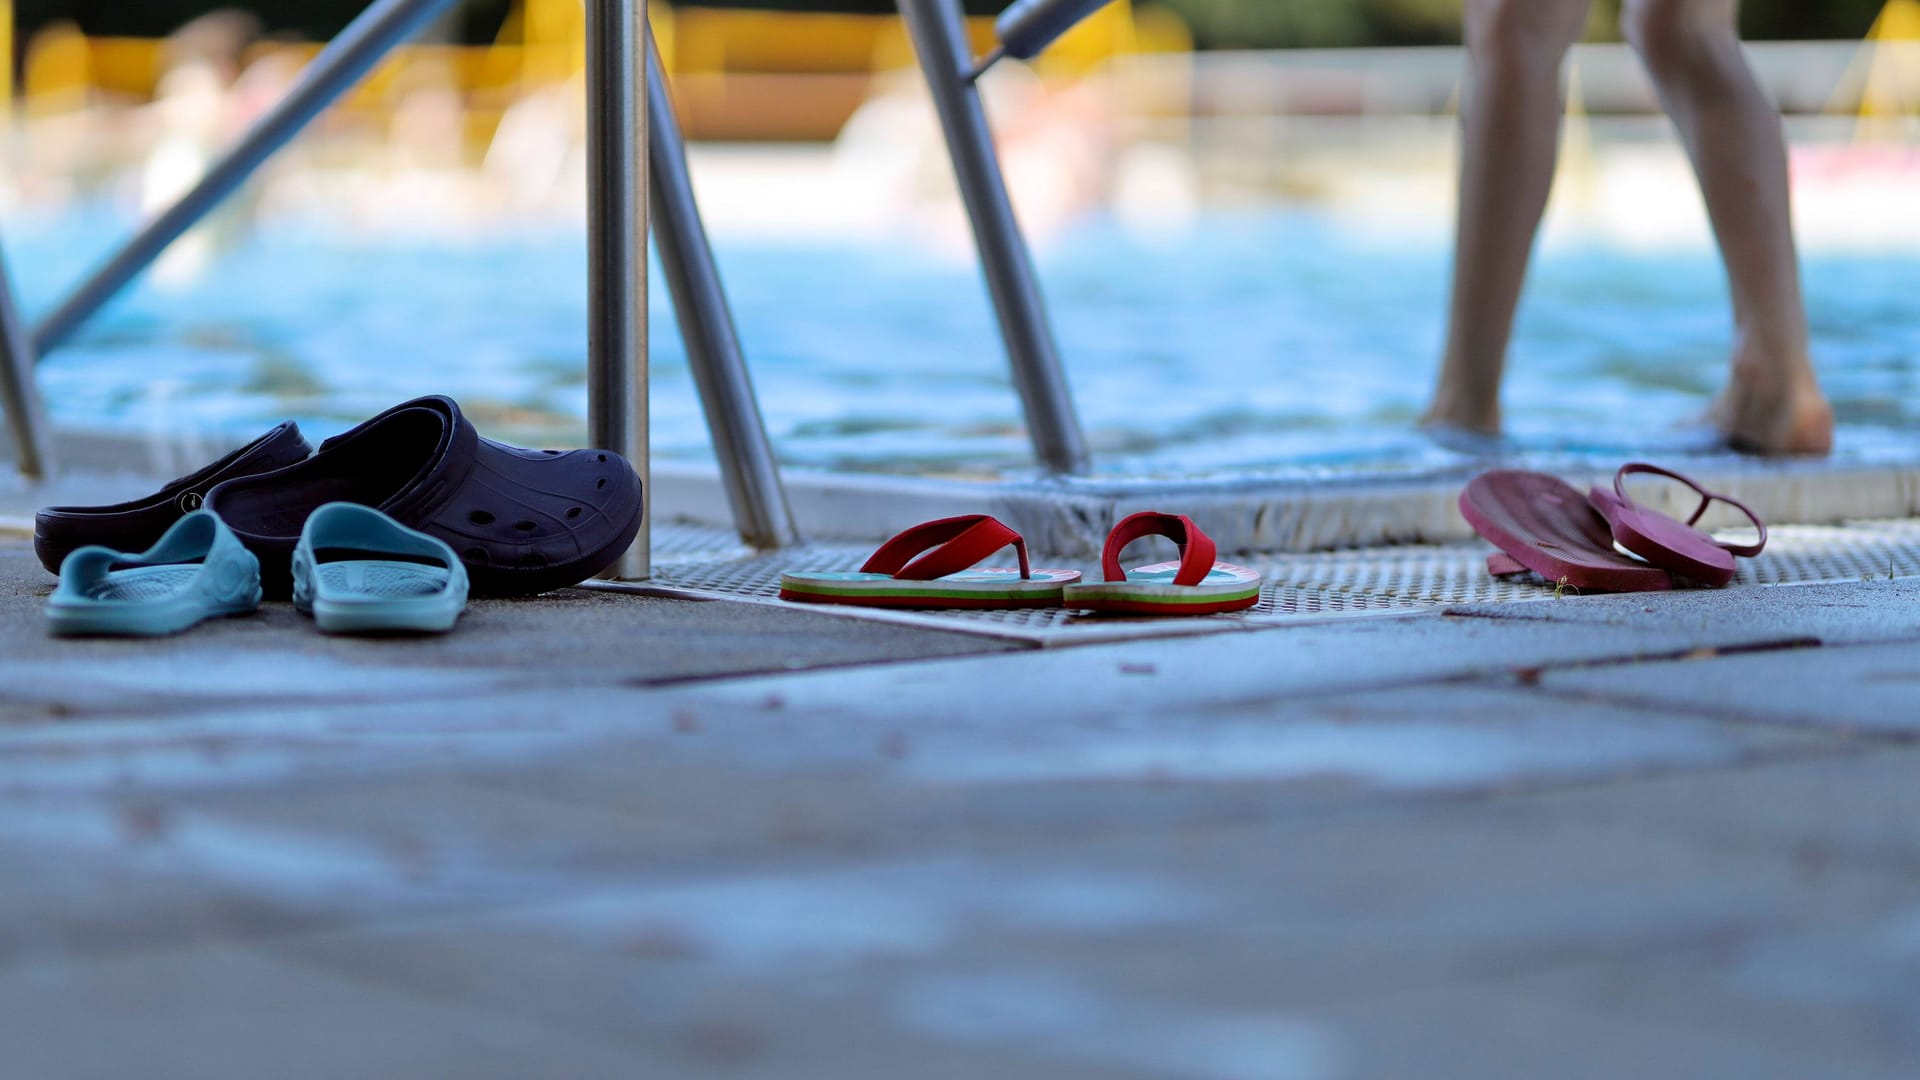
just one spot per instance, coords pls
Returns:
(1071, 516)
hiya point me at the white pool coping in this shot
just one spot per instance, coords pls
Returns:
(1284, 514)
(1070, 517)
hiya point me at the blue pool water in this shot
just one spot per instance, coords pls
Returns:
(1261, 341)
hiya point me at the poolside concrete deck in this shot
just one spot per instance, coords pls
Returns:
(592, 835)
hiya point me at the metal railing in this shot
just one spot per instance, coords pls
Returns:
(629, 109)
(617, 250)
(748, 467)
(940, 38)
(20, 402)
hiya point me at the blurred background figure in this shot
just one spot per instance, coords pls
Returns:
(1691, 48)
(194, 115)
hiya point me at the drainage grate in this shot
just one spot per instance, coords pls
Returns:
(712, 563)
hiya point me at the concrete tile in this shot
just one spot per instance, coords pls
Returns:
(1856, 811)
(1843, 994)
(1218, 935)
(800, 933)
(539, 823)
(1052, 1015)
(1479, 1034)
(245, 744)
(1429, 738)
(1434, 736)
(1853, 613)
(570, 637)
(200, 671)
(63, 904)
(674, 1019)
(1194, 673)
(1306, 913)
(1337, 850)
(212, 1013)
(1296, 943)
(1244, 918)
(805, 785)
(1872, 688)
(393, 846)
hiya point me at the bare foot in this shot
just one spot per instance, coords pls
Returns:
(1468, 442)
(1446, 414)
(1761, 412)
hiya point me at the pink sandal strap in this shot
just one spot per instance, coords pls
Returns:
(1707, 499)
(1196, 547)
(950, 545)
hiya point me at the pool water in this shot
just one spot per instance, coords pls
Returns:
(1273, 341)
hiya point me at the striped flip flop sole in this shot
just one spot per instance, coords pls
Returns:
(981, 588)
(1149, 590)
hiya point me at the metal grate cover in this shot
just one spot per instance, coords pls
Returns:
(711, 563)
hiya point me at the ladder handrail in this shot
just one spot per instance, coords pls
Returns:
(940, 40)
(20, 401)
(344, 61)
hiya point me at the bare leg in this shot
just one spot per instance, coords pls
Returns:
(1509, 141)
(1772, 404)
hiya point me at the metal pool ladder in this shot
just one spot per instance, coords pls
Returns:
(626, 187)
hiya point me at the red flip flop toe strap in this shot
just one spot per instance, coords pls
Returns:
(1707, 499)
(950, 545)
(1196, 547)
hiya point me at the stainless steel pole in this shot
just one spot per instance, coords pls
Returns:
(940, 38)
(617, 248)
(25, 414)
(346, 58)
(747, 464)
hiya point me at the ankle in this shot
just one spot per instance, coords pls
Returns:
(1776, 367)
(1448, 410)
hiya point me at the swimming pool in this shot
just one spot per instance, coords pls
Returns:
(1273, 341)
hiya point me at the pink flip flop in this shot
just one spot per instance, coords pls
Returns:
(1666, 542)
(1542, 524)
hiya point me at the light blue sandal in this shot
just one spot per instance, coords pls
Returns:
(358, 571)
(197, 570)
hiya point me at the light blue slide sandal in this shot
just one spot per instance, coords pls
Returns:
(197, 570)
(358, 571)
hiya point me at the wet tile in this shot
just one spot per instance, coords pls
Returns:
(566, 638)
(1856, 810)
(1856, 688)
(640, 991)
(253, 743)
(1847, 993)
(59, 904)
(1853, 613)
(1499, 1034)
(1240, 942)
(1268, 665)
(212, 1013)
(1438, 738)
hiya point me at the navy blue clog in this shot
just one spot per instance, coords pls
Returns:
(521, 521)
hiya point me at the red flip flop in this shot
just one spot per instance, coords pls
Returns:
(1540, 523)
(943, 575)
(1193, 585)
(1666, 542)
